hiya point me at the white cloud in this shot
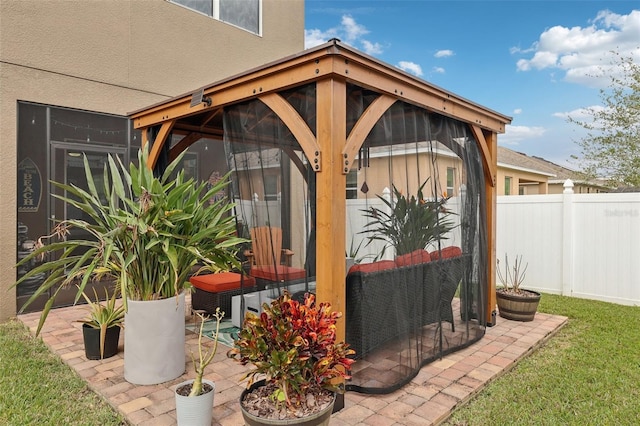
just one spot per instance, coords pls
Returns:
(352, 30)
(349, 31)
(438, 70)
(517, 111)
(410, 67)
(582, 52)
(315, 37)
(371, 48)
(513, 135)
(444, 53)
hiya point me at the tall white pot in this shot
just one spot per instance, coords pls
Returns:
(154, 342)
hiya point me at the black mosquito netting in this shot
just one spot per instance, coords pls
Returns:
(415, 229)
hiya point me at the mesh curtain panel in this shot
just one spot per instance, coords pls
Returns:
(272, 188)
(415, 228)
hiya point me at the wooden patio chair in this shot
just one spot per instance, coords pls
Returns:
(268, 260)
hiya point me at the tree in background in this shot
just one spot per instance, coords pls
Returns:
(611, 148)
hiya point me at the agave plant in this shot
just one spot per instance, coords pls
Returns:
(148, 235)
(408, 224)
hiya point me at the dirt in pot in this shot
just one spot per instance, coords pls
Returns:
(260, 403)
(184, 390)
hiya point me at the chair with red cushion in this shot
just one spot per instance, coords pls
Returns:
(269, 261)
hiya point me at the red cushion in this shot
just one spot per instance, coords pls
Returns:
(222, 281)
(413, 258)
(446, 252)
(381, 265)
(282, 273)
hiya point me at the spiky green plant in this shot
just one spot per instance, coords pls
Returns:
(103, 316)
(408, 224)
(148, 234)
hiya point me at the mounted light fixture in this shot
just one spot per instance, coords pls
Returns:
(199, 98)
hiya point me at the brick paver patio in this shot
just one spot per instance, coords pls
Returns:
(428, 399)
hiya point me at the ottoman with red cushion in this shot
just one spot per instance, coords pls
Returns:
(216, 290)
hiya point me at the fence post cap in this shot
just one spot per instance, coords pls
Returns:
(568, 186)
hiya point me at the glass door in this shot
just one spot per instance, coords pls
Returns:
(67, 165)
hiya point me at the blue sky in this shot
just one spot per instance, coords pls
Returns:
(530, 60)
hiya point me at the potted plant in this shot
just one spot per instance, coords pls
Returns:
(101, 328)
(194, 397)
(147, 233)
(514, 302)
(293, 346)
(408, 224)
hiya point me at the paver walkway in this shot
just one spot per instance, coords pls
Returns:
(428, 399)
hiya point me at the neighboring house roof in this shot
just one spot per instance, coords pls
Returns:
(516, 160)
(557, 174)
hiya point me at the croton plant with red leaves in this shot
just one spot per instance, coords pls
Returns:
(293, 345)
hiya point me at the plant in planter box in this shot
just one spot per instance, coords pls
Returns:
(148, 232)
(408, 224)
(293, 346)
(102, 325)
(514, 302)
(194, 398)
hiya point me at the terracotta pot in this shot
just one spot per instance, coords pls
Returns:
(518, 307)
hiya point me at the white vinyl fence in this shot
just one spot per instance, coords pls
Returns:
(581, 245)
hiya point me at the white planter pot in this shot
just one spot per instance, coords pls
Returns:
(154, 341)
(195, 410)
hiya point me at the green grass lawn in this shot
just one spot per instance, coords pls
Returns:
(37, 388)
(587, 374)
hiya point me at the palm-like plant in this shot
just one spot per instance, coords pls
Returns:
(148, 234)
(408, 224)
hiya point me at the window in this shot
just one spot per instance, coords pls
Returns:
(271, 187)
(451, 181)
(352, 185)
(241, 13)
(507, 185)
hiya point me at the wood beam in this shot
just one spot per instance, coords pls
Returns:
(330, 198)
(298, 127)
(183, 144)
(361, 129)
(491, 198)
(489, 156)
(158, 143)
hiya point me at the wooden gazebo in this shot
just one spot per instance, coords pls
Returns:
(328, 148)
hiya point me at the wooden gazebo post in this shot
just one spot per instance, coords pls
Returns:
(331, 202)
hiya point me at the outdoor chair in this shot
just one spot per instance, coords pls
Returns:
(269, 261)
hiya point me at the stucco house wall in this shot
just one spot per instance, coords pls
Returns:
(116, 56)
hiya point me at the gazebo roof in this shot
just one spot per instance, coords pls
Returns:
(198, 114)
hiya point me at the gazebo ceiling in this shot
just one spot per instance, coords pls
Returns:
(333, 59)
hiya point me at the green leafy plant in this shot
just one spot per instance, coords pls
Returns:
(293, 345)
(412, 224)
(148, 234)
(513, 275)
(103, 316)
(204, 356)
